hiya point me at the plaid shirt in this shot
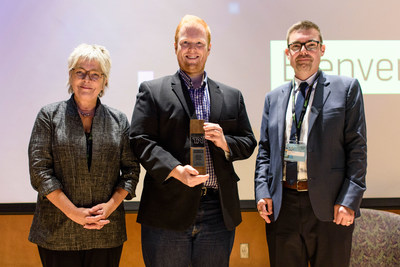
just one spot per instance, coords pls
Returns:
(201, 101)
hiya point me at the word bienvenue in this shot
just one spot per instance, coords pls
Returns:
(376, 64)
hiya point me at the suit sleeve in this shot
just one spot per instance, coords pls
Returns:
(242, 144)
(144, 132)
(355, 139)
(263, 158)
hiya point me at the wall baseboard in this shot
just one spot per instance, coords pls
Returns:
(245, 205)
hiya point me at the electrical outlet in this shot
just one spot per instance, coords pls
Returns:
(244, 250)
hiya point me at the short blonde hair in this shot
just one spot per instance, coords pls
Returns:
(303, 25)
(192, 20)
(88, 52)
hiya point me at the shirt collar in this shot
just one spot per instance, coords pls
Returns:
(188, 81)
(310, 80)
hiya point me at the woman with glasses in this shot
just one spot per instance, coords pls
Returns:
(82, 166)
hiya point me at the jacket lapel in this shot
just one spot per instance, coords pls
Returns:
(216, 100)
(177, 88)
(283, 103)
(322, 92)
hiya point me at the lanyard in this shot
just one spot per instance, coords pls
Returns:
(299, 122)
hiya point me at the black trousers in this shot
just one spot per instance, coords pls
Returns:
(297, 237)
(103, 257)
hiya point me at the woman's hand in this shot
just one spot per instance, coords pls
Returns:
(89, 218)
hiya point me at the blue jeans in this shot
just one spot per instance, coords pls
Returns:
(206, 243)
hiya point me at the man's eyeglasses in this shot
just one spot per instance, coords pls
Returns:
(92, 74)
(310, 45)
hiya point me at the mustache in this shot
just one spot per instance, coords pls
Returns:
(303, 56)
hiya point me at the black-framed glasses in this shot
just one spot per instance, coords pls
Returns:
(92, 74)
(310, 45)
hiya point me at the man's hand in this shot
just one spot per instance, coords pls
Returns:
(343, 215)
(188, 175)
(264, 207)
(214, 133)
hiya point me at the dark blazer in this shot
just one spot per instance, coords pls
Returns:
(160, 139)
(336, 146)
(57, 160)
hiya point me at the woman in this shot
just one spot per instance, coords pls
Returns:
(82, 166)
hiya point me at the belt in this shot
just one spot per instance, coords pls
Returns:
(208, 191)
(299, 186)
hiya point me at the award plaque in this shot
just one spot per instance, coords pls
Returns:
(197, 146)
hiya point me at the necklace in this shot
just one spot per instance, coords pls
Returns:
(86, 114)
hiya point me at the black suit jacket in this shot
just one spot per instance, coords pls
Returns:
(160, 139)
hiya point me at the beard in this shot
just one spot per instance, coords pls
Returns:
(304, 65)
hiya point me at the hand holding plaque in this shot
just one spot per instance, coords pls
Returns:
(197, 146)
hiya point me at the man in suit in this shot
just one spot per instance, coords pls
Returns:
(188, 218)
(311, 163)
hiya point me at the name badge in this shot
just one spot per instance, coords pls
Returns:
(295, 152)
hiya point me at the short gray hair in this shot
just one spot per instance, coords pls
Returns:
(88, 52)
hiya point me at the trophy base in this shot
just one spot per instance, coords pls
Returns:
(198, 159)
